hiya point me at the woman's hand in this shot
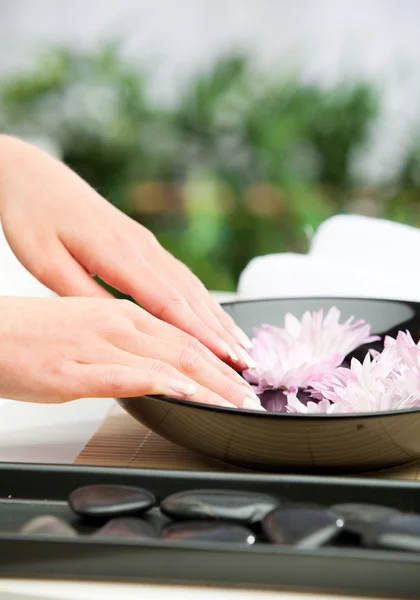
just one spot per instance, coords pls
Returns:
(64, 232)
(61, 349)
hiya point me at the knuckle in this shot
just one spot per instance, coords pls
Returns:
(181, 338)
(119, 236)
(175, 298)
(175, 301)
(191, 356)
(231, 393)
(149, 238)
(137, 241)
(195, 346)
(189, 361)
(55, 380)
(54, 368)
(113, 381)
(156, 367)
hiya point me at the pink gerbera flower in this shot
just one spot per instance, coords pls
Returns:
(303, 351)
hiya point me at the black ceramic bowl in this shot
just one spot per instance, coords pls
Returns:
(279, 441)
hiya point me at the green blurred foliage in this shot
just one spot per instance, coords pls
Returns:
(242, 164)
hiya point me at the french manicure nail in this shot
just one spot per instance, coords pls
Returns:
(246, 358)
(228, 405)
(251, 404)
(228, 350)
(242, 338)
(182, 387)
(253, 396)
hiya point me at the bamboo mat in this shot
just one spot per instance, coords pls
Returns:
(123, 442)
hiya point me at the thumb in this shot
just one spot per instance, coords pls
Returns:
(66, 277)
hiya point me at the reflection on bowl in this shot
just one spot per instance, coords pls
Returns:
(281, 441)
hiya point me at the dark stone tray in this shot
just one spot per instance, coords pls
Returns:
(27, 491)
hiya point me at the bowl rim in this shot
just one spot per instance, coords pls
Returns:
(267, 413)
(281, 415)
(319, 298)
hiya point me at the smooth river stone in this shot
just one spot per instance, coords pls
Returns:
(126, 527)
(401, 532)
(108, 501)
(211, 531)
(231, 505)
(49, 526)
(302, 527)
(357, 516)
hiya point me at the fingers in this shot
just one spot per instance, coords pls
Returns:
(150, 378)
(201, 294)
(203, 304)
(189, 360)
(151, 326)
(172, 306)
(239, 335)
(167, 303)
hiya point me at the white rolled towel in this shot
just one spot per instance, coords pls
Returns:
(373, 243)
(350, 256)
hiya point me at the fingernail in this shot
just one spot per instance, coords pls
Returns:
(228, 350)
(242, 338)
(246, 358)
(251, 404)
(253, 396)
(227, 404)
(182, 387)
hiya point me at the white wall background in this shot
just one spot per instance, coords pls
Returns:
(328, 40)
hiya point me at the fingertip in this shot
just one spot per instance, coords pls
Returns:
(241, 337)
(183, 388)
(252, 404)
(226, 404)
(234, 330)
(246, 358)
(227, 351)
